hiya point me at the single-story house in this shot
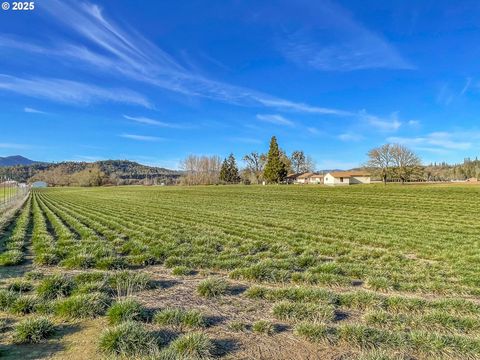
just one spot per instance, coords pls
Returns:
(347, 178)
(291, 178)
(316, 179)
(303, 178)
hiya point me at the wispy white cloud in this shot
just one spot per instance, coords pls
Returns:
(441, 141)
(275, 119)
(388, 124)
(67, 91)
(13, 146)
(448, 92)
(33, 111)
(468, 82)
(350, 137)
(149, 121)
(445, 95)
(141, 137)
(335, 41)
(301, 107)
(313, 130)
(124, 52)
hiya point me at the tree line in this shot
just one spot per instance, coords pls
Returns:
(108, 172)
(272, 167)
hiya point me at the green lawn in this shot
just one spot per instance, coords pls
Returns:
(394, 268)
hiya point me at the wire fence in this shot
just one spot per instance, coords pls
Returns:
(10, 192)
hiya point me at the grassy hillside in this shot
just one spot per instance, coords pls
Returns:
(297, 271)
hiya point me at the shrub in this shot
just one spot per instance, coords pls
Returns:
(140, 260)
(110, 262)
(360, 300)
(379, 283)
(88, 288)
(180, 318)
(193, 346)
(24, 305)
(182, 271)
(237, 326)
(129, 339)
(314, 332)
(263, 327)
(7, 298)
(82, 306)
(20, 286)
(126, 283)
(212, 287)
(55, 286)
(47, 258)
(34, 275)
(89, 277)
(3, 325)
(11, 257)
(33, 330)
(126, 310)
(303, 311)
(78, 261)
(366, 337)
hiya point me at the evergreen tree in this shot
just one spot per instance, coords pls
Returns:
(229, 171)
(275, 169)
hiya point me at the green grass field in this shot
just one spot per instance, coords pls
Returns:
(353, 271)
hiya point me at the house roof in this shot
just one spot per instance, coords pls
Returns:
(339, 174)
(314, 176)
(305, 175)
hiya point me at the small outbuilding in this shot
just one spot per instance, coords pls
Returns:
(39, 184)
(347, 178)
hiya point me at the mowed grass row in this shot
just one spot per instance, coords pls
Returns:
(341, 265)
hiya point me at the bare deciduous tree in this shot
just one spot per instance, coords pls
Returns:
(405, 162)
(201, 170)
(301, 162)
(255, 164)
(394, 160)
(381, 161)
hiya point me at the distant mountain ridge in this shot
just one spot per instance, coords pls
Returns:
(15, 160)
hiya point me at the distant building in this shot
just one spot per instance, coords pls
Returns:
(347, 178)
(305, 178)
(316, 179)
(472, 180)
(39, 184)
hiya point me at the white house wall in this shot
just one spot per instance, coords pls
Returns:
(330, 180)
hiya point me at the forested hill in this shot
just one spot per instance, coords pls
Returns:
(114, 172)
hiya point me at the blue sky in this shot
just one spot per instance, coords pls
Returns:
(154, 81)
